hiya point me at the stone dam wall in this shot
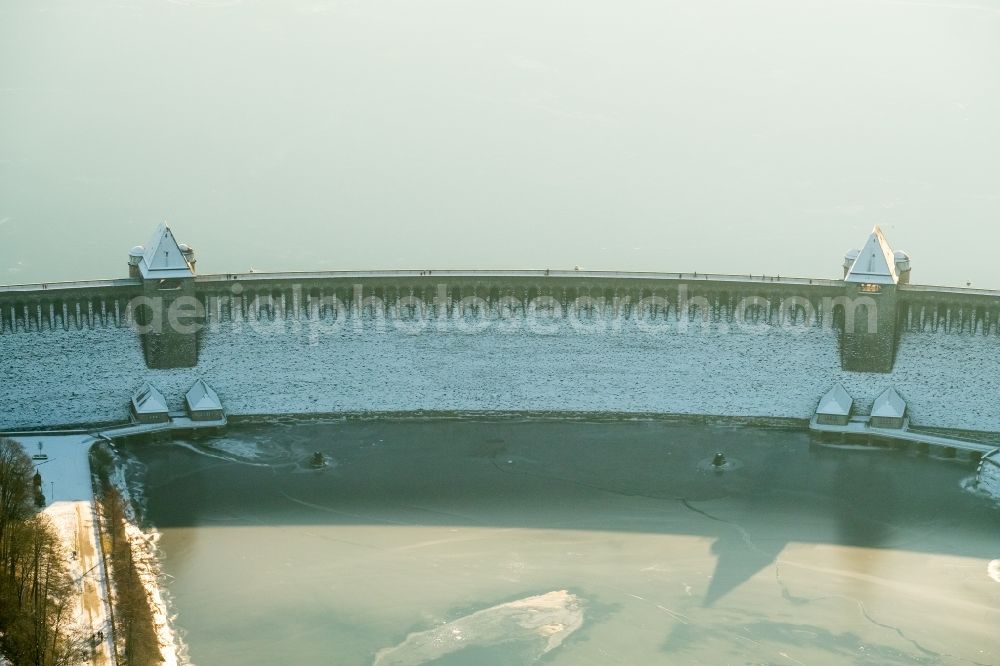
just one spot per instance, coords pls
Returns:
(677, 344)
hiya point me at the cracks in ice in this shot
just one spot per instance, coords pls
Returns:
(328, 509)
(748, 541)
(744, 534)
(786, 592)
(897, 630)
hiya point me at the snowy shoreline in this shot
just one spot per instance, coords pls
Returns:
(71, 504)
(147, 562)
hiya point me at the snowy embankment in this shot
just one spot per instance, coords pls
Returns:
(290, 366)
(70, 504)
(146, 560)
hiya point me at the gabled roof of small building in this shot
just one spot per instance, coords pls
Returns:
(148, 400)
(836, 402)
(889, 405)
(202, 398)
(163, 257)
(875, 263)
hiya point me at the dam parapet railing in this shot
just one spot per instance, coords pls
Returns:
(70, 287)
(465, 275)
(310, 276)
(612, 278)
(625, 281)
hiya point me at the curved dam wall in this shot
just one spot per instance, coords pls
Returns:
(283, 345)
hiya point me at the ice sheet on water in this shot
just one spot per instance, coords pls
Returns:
(239, 448)
(532, 626)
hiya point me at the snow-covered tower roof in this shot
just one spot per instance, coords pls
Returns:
(849, 260)
(136, 254)
(889, 405)
(836, 402)
(875, 263)
(163, 257)
(202, 398)
(148, 400)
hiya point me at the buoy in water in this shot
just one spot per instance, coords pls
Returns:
(317, 460)
(719, 461)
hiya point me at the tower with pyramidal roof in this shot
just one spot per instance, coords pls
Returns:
(870, 327)
(167, 315)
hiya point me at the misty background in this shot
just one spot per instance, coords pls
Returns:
(699, 135)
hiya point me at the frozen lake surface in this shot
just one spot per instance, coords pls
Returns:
(470, 542)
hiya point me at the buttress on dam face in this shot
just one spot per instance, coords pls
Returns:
(498, 341)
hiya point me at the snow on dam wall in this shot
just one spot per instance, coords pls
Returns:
(59, 375)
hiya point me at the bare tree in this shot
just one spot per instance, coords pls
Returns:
(15, 490)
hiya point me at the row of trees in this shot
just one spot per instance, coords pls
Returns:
(36, 591)
(134, 625)
(135, 629)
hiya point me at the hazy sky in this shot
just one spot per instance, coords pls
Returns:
(709, 135)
